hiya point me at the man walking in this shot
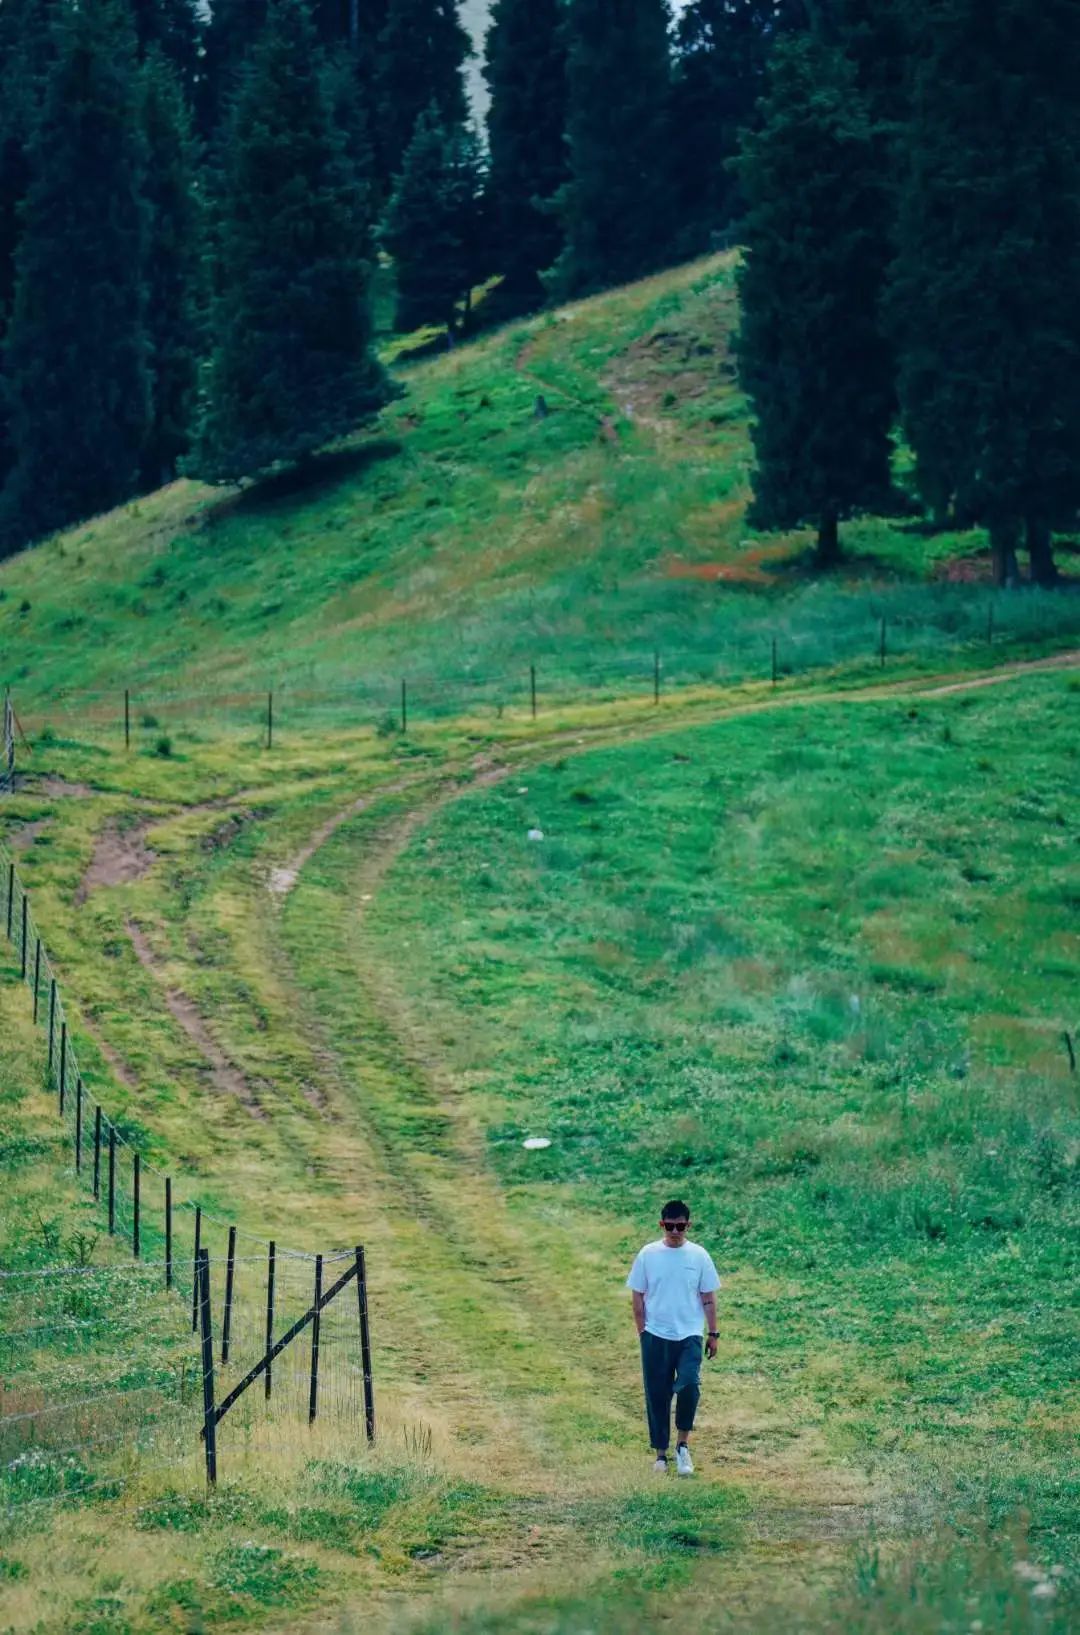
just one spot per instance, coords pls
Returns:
(674, 1285)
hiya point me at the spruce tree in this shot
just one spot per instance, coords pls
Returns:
(722, 50)
(421, 52)
(431, 226)
(983, 295)
(812, 356)
(230, 35)
(26, 50)
(174, 268)
(75, 356)
(526, 74)
(615, 208)
(171, 27)
(292, 364)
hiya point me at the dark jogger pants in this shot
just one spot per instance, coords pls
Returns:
(670, 1367)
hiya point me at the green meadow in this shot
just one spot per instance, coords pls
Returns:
(803, 953)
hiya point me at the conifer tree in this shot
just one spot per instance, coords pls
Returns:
(526, 74)
(171, 27)
(75, 355)
(26, 50)
(812, 357)
(615, 207)
(722, 52)
(292, 364)
(431, 227)
(421, 53)
(983, 295)
(231, 33)
(174, 268)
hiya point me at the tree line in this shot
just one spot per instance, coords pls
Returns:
(195, 201)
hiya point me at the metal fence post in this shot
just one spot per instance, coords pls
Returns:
(127, 719)
(168, 1231)
(136, 1170)
(97, 1152)
(63, 1065)
(52, 1018)
(10, 896)
(230, 1272)
(195, 1269)
(656, 678)
(78, 1124)
(112, 1179)
(404, 708)
(532, 688)
(270, 720)
(22, 939)
(37, 975)
(313, 1395)
(365, 1343)
(271, 1267)
(202, 1280)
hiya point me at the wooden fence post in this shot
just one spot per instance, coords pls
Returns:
(168, 1231)
(112, 1179)
(195, 1269)
(136, 1177)
(271, 1267)
(97, 1153)
(313, 1395)
(230, 1272)
(365, 1343)
(202, 1280)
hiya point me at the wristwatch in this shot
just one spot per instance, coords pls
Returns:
(714, 1334)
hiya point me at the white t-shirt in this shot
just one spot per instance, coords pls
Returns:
(673, 1282)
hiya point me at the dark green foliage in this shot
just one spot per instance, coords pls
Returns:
(232, 31)
(432, 224)
(171, 27)
(615, 208)
(811, 353)
(25, 53)
(174, 267)
(984, 294)
(421, 52)
(526, 74)
(292, 366)
(722, 52)
(75, 359)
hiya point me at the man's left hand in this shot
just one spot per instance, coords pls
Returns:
(710, 1348)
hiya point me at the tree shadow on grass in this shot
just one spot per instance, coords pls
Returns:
(308, 479)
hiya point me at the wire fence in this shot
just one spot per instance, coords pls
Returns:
(109, 1363)
(537, 675)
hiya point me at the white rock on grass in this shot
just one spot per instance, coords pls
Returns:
(534, 1143)
(536, 834)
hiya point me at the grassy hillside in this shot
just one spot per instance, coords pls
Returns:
(465, 540)
(806, 953)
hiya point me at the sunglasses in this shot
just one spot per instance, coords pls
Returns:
(675, 1226)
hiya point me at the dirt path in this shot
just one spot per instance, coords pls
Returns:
(120, 857)
(225, 1076)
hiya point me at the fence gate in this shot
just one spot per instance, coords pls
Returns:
(213, 1411)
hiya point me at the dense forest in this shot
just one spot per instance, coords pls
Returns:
(195, 205)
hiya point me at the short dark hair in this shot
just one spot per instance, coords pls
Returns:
(672, 1211)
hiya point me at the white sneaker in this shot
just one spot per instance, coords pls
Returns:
(683, 1462)
(660, 1466)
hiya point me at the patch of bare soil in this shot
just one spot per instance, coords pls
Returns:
(120, 856)
(20, 840)
(59, 788)
(225, 1076)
